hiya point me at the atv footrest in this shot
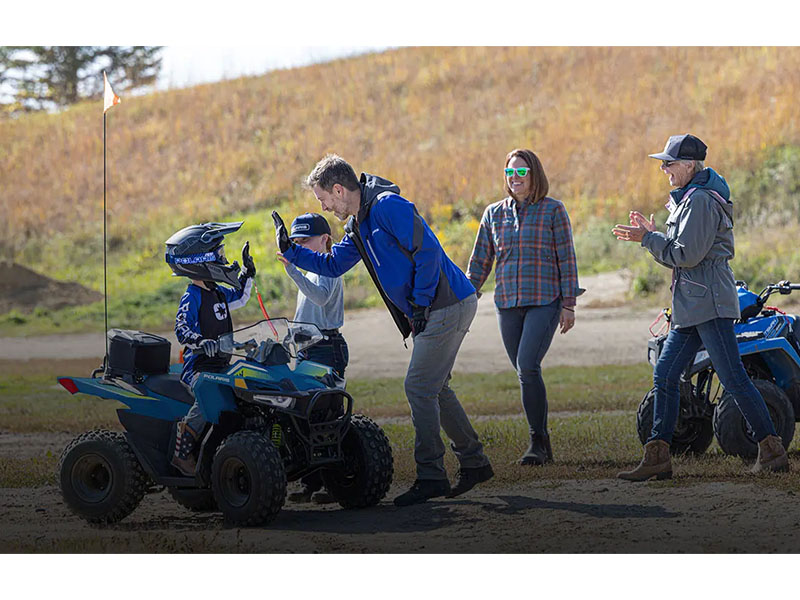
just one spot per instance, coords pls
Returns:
(178, 482)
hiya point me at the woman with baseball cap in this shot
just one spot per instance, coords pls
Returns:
(320, 300)
(697, 247)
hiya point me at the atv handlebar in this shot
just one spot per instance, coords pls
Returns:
(785, 287)
(782, 287)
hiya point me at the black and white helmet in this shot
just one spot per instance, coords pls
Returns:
(198, 252)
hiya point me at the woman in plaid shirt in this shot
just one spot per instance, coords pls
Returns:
(530, 237)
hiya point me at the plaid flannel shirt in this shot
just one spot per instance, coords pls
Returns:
(532, 244)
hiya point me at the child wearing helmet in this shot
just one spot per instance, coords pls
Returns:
(320, 300)
(197, 252)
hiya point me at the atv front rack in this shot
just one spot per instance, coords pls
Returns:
(320, 418)
(324, 425)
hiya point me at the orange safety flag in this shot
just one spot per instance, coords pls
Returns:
(110, 98)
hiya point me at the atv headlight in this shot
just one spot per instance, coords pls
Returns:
(279, 401)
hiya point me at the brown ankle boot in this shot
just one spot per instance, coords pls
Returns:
(656, 463)
(771, 456)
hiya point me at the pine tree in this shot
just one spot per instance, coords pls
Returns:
(52, 77)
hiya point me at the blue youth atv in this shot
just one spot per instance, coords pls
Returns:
(769, 344)
(271, 418)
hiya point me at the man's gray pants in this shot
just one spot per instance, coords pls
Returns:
(434, 405)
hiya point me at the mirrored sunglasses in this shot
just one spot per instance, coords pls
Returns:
(520, 171)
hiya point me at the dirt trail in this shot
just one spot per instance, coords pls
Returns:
(607, 331)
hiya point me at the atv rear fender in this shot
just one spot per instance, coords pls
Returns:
(150, 405)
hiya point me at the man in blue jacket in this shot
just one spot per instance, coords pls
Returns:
(427, 295)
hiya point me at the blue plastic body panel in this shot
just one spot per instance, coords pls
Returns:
(151, 405)
(746, 298)
(214, 391)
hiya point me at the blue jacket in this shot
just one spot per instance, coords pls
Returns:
(204, 314)
(398, 248)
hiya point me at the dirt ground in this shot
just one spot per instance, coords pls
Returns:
(531, 516)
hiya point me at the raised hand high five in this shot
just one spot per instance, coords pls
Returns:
(281, 235)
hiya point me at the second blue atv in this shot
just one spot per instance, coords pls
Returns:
(272, 419)
(769, 344)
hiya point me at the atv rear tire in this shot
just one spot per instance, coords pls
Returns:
(248, 479)
(692, 436)
(194, 500)
(733, 434)
(366, 475)
(100, 477)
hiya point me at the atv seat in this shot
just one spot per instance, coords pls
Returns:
(169, 385)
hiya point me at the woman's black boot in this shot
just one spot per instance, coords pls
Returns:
(548, 449)
(536, 454)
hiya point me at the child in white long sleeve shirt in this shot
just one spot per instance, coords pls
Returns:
(320, 300)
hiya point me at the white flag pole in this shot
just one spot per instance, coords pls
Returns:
(105, 269)
(109, 99)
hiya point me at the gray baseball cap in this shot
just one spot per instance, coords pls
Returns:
(682, 147)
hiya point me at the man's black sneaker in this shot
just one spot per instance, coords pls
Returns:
(469, 478)
(422, 490)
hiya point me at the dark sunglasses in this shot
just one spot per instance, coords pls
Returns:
(521, 171)
(665, 164)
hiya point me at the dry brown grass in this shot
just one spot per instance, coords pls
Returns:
(438, 121)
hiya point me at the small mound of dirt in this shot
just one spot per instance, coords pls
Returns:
(24, 290)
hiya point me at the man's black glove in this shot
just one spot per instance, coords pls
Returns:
(419, 318)
(281, 235)
(248, 266)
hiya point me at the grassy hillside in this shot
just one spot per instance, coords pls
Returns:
(438, 121)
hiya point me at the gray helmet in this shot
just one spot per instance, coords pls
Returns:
(198, 252)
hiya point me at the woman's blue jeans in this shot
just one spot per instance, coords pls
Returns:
(527, 332)
(680, 348)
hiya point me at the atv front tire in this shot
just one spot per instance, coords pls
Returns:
(100, 477)
(248, 479)
(194, 500)
(692, 435)
(733, 434)
(366, 475)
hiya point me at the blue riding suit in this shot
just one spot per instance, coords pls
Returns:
(205, 314)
